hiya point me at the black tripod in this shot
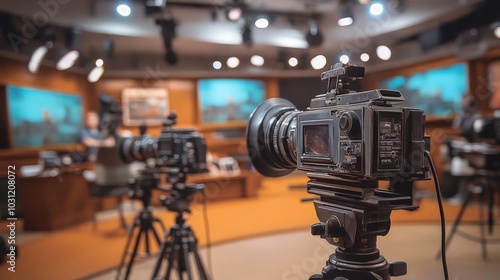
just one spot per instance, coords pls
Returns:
(180, 242)
(144, 222)
(352, 214)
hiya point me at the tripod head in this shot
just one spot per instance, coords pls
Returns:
(180, 192)
(352, 214)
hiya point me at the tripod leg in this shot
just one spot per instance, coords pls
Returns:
(491, 193)
(187, 266)
(161, 224)
(122, 261)
(163, 252)
(457, 221)
(482, 231)
(199, 264)
(155, 234)
(171, 254)
(146, 239)
(132, 257)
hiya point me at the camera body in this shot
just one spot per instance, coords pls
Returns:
(367, 140)
(351, 135)
(181, 148)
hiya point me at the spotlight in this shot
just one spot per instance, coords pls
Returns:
(496, 31)
(246, 36)
(234, 10)
(318, 62)
(217, 65)
(262, 21)
(37, 57)
(154, 6)
(95, 74)
(346, 17)
(314, 37)
(233, 62)
(376, 9)
(168, 33)
(364, 2)
(68, 60)
(257, 60)
(99, 62)
(123, 10)
(364, 57)
(383, 52)
(344, 59)
(293, 61)
(71, 40)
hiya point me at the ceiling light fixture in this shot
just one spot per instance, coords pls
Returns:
(96, 72)
(293, 61)
(234, 10)
(123, 10)
(257, 60)
(68, 60)
(318, 62)
(217, 65)
(168, 33)
(383, 52)
(246, 36)
(344, 59)
(37, 57)
(262, 23)
(346, 17)
(314, 37)
(364, 57)
(376, 9)
(496, 31)
(233, 62)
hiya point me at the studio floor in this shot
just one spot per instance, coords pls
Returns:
(265, 237)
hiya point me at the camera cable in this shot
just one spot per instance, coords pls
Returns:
(441, 214)
(207, 234)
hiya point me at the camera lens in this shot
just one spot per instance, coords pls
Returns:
(138, 148)
(271, 137)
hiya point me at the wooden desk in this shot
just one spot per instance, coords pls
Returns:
(51, 203)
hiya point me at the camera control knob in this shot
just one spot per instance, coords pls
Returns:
(318, 229)
(347, 121)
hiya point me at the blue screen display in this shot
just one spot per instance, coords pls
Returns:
(40, 117)
(224, 100)
(438, 91)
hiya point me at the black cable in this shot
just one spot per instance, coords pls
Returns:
(207, 234)
(441, 214)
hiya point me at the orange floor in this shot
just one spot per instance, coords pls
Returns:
(78, 252)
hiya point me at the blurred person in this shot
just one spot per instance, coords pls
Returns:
(93, 138)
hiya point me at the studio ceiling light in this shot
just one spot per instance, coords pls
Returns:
(246, 36)
(233, 62)
(234, 10)
(37, 57)
(344, 59)
(318, 62)
(496, 31)
(262, 23)
(257, 60)
(383, 52)
(217, 65)
(314, 37)
(123, 10)
(293, 61)
(68, 60)
(364, 57)
(346, 17)
(376, 9)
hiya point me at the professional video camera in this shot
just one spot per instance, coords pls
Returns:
(347, 141)
(110, 114)
(479, 128)
(181, 148)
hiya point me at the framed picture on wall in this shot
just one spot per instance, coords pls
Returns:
(494, 84)
(147, 106)
(437, 91)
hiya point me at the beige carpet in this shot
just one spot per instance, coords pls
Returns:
(296, 255)
(79, 251)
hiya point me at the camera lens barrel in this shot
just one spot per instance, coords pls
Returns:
(271, 137)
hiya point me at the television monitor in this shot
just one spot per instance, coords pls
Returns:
(39, 118)
(438, 91)
(228, 100)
